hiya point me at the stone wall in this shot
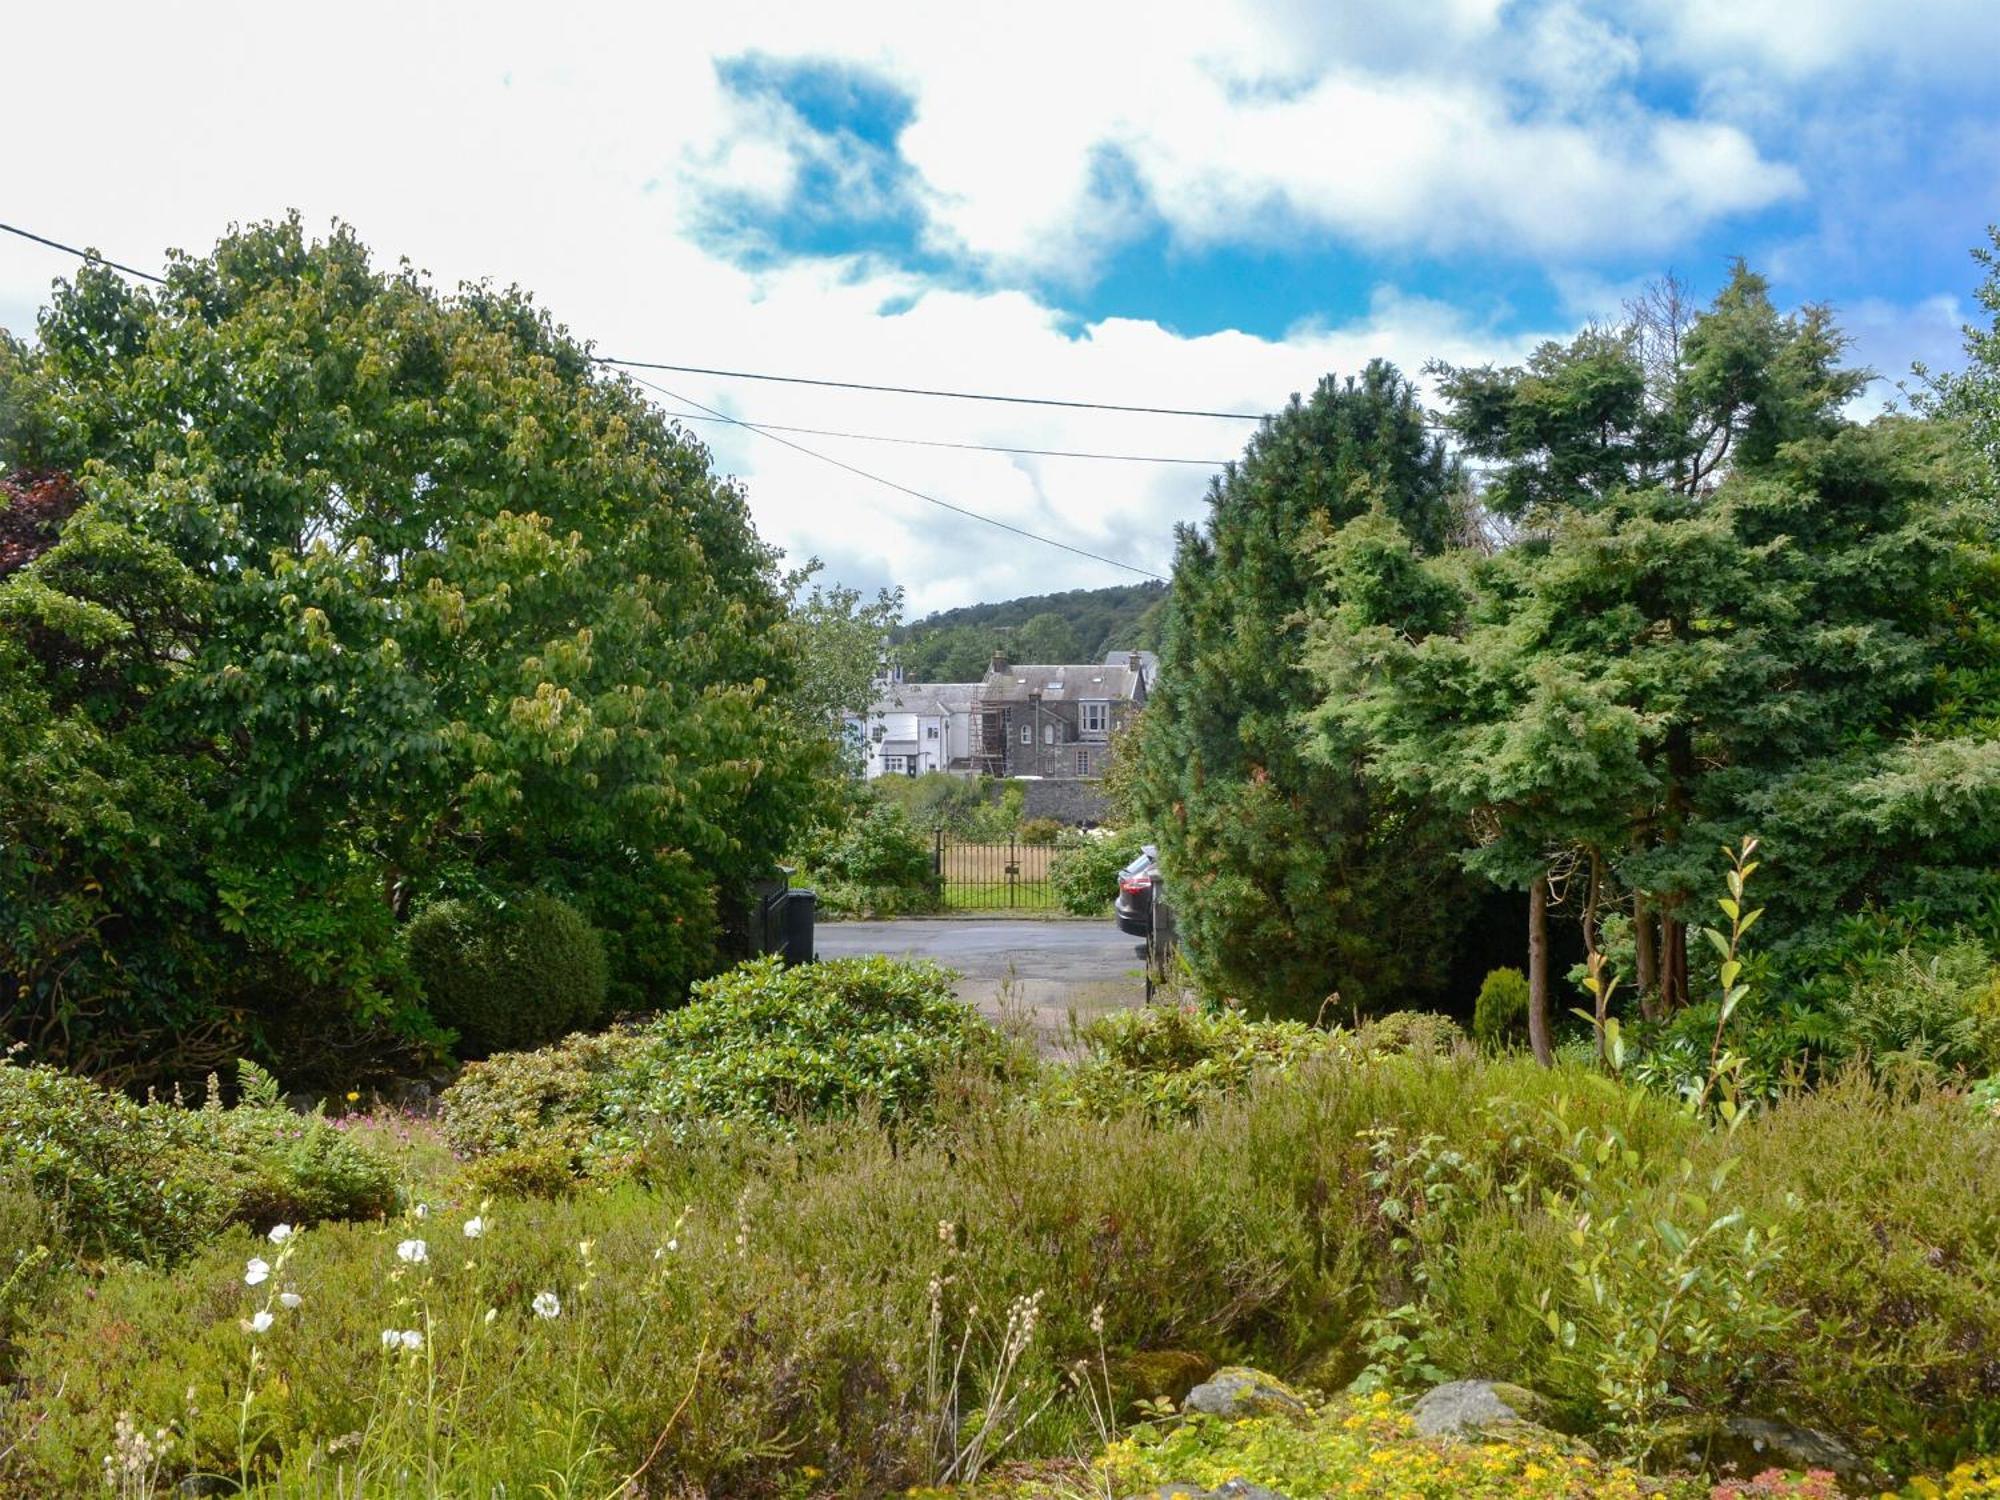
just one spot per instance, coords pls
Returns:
(1067, 799)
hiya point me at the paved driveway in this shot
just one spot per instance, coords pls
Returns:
(1044, 971)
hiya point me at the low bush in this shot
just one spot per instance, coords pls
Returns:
(1928, 1013)
(508, 974)
(1368, 1448)
(878, 864)
(763, 1044)
(1084, 869)
(1500, 1013)
(153, 1181)
(1040, 831)
(762, 1312)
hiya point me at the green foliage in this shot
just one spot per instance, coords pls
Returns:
(1282, 1224)
(508, 974)
(1651, 670)
(156, 1180)
(1500, 1013)
(1040, 831)
(1084, 869)
(1293, 876)
(1083, 625)
(974, 809)
(764, 1045)
(370, 584)
(877, 863)
(1936, 1013)
(839, 640)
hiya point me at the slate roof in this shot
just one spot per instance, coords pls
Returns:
(1062, 684)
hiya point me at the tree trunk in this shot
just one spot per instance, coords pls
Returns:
(1646, 951)
(1538, 971)
(1673, 963)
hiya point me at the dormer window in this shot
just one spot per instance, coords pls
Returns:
(1096, 716)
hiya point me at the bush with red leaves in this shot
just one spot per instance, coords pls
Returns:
(33, 507)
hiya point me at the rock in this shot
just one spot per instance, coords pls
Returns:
(1472, 1408)
(301, 1103)
(1160, 1374)
(1242, 1392)
(196, 1486)
(1750, 1445)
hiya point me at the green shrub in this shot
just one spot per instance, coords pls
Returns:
(1282, 1224)
(509, 974)
(1169, 1060)
(542, 1100)
(1422, 1033)
(154, 1180)
(878, 864)
(1084, 869)
(27, 1262)
(1500, 1014)
(1925, 1013)
(763, 1044)
(1040, 831)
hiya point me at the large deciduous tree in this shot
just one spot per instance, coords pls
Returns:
(373, 590)
(1294, 875)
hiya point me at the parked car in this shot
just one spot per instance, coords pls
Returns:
(1136, 882)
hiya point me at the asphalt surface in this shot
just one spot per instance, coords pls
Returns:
(1041, 973)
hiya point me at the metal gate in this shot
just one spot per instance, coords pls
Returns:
(993, 877)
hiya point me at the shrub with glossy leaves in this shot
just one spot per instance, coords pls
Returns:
(762, 1044)
(509, 974)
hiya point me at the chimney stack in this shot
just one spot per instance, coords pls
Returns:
(999, 662)
(1132, 661)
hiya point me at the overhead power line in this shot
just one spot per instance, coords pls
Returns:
(910, 442)
(90, 255)
(919, 390)
(827, 458)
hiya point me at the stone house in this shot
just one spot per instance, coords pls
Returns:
(1054, 721)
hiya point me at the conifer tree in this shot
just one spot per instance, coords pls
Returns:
(1293, 877)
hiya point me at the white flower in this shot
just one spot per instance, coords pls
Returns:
(492, 1313)
(255, 1271)
(411, 1339)
(421, 1211)
(279, 1233)
(474, 1227)
(290, 1299)
(546, 1305)
(416, 1252)
(259, 1320)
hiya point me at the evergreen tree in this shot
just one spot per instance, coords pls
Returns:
(1293, 876)
(1725, 608)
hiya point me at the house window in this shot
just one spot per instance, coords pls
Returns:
(1048, 734)
(895, 765)
(930, 731)
(1027, 734)
(1083, 762)
(1096, 717)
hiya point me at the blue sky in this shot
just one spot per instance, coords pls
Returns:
(1184, 205)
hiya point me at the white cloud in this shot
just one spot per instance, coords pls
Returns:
(563, 153)
(1436, 130)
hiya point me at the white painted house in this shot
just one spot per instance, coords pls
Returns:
(914, 727)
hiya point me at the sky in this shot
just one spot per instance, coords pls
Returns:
(1198, 206)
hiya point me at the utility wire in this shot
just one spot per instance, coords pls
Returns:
(90, 255)
(919, 390)
(827, 458)
(910, 442)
